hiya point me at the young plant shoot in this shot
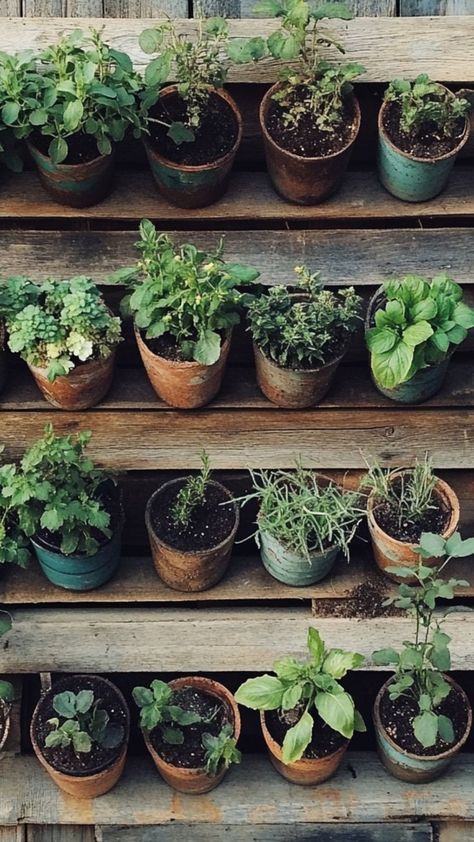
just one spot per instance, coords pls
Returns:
(192, 494)
(82, 723)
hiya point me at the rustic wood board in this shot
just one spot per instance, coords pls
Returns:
(145, 9)
(272, 833)
(60, 833)
(13, 834)
(98, 8)
(244, 8)
(436, 7)
(454, 832)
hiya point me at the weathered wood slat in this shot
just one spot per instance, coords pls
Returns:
(436, 7)
(62, 833)
(13, 8)
(272, 833)
(63, 8)
(245, 8)
(145, 8)
(13, 834)
(456, 832)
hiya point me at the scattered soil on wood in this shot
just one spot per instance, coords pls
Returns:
(435, 519)
(397, 719)
(427, 144)
(109, 495)
(190, 754)
(82, 147)
(324, 741)
(214, 138)
(210, 523)
(306, 139)
(65, 759)
(364, 601)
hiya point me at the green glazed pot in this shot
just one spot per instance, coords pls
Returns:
(75, 185)
(78, 572)
(407, 177)
(292, 569)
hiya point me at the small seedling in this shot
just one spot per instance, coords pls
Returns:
(192, 494)
(158, 711)
(84, 724)
(426, 105)
(221, 749)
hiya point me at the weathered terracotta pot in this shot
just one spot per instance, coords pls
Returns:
(86, 786)
(188, 570)
(5, 710)
(189, 186)
(3, 356)
(389, 552)
(195, 781)
(414, 768)
(307, 771)
(83, 387)
(293, 388)
(75, 185)
(185, 385)
(305, 181)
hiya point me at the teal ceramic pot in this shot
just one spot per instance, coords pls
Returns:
(413, 768)
(75, 185)
(292, 569)
(3, 357)
(407, 177)
(80, 573)
(194, 186)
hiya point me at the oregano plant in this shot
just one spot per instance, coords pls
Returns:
(426, 106)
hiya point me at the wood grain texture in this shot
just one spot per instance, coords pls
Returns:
(245, 8)
(58, 833)
(272, 833)
(62, 8)
(454, 832)
(13, 834)
(7, 8)
(145, 8)
(436, 7)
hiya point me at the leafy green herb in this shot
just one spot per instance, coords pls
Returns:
(192, 494)
(13, 542)
(158, 711)
(221, 749)
(426, 106)
(19, 87)
(7, 691)
(84, 723)
(408, 493)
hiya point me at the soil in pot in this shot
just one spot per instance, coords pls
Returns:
(215, 137)
(82, 147)
(427, 144)
(307, 139)
(324, 741)
(436, 519)
(110, 497)
(190, 754)
(209, 525)
(167, 347)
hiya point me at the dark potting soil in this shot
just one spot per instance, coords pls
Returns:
(65, 759)
(190, 754)
(110, 497)
(397, 719)
(209, 524)
(427, 144)
(435, 520)
(307, 139)
(214, 138)
(324, 741)
(82, 147)
(166, 346)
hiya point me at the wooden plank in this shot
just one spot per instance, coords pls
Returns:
(62, 8)
(245, 8)
(436, 7)
(451, 832)
(13, 834)
(58, 833)
(272, 833)
(7, 8)
(145, 8)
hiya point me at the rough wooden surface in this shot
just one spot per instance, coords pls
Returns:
(97, 8)
(245, 8)
(272, 833)
(436, 7)
(455, 832)
(13, 8)
(58, 833)
(13, 834)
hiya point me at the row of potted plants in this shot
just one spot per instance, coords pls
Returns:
(75, 100)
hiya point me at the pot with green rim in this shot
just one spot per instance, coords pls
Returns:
(79, 572)
(292, 569)
(75, 185)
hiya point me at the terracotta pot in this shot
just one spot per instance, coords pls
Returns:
(414, 768)
(194, 186)
(83, 387)
(195, 781)
(307, 771)
(5, 710)
(85, 786)
(305, 181)
(3, 356)
(293, 388)
(75, 185)
(185, 385)
(188, 570)
(389, 552)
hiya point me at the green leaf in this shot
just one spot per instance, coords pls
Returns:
(52, 520)
(359, 724)
(380, 339)
(441, 658)
(157, 71)
(82, 742)
(459, 548)
(291, 696)
(207, 349)
(262, 693)
(432, 545)
(73, 115)
(5, 623)
(337, 710)
(392, 368)
(113, 736)
(338, 663)
(184, 717)
(315, 646)
(142, 696)
(268, 8)
(172, 735)
(150, 40)
(283, 45)
(331, 10)
(464, 315)
(10, 112)
(385, 657)
(424, 310)
(440, 340)
(445, 729)
(65, 704)
(84, 701)
(7, 692)
(179, 133)
(217, 26)
(297, 739)
(417, 333)
(58, 150)
(425, 728)
(242, 273)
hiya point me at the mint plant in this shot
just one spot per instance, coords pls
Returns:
(420, 664)
(419, 324)
(82, 723)
(192, 494)
(221, 749)
(158, 711)
(425, 106)
(307, 687)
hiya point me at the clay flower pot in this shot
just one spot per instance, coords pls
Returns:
(75, 185)
(408, 177)
(307, 771)
(415, 768)
(5, 720)
(186, 570)
(305, 181)
(84, 786)
(83, 387)
(189, 186)
(185, 385)
(293, 388)
(3, 356)
(195, 781)
(389, 552)
(293, 569)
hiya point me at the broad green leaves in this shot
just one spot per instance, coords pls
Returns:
(84, 725)
(424, 103)
(337, 710)
(262, 693)
(297, 739)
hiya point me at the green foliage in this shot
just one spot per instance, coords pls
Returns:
(13, 542)
(419, 325)
(184, 293)
(420, 663)
(221, 749)
(303, 333)
(7, 691)
(158, 711)
(408, 493)
(61, 323)
(19, 87)
(192, 494)
(314, 684)
(426, 106)
(84, 723)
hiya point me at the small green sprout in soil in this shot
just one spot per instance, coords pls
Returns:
(82, 723)
(192, 494)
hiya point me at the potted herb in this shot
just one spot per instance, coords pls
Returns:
(19, 86)
(7, 692)
(192, 523)
(412, 329)
(191, 727)
(67, 336)
(15, 294)
(14, 545)
(300, 338)
(422, 127)
(402, 505)
(422, 717)
(304, 522)
(79, 733)
(307, 717)
(185, 304)
(194, 127)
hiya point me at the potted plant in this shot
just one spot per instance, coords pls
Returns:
(191, 727)
(307, 717)
(194, 127)
(401, 506)
(422, 127)
(79, 733)
(300, 338)
(7, 691)
(412, 329)
(422, 717)
(67, 336)
(14, 545)
(185, 304)
(15, 294)
(304, 522)
(192, 523)
(19, 86)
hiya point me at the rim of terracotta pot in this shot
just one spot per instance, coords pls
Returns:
(194, 168)
(423, 757)
(181, 364)
(263, 110)
(31, 146)
(80, 367)
(6, 709)
(214, 688)
(277, 750)
(51, 692)
(193, 553)
(410, 156)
